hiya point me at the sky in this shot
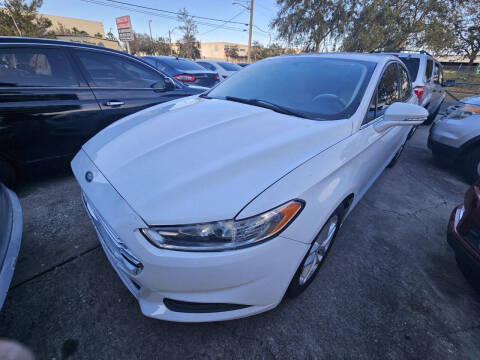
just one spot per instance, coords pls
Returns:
(264, 11)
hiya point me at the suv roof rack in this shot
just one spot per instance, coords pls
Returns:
(405, 51)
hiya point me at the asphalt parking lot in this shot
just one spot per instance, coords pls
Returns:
(390, 288)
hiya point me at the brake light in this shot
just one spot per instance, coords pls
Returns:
(217, 77)
(185, 78)
(419, 90)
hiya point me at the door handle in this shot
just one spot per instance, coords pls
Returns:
(114, 103)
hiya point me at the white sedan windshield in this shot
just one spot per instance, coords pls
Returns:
(317, 87)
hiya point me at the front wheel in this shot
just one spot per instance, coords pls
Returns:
(315, 257)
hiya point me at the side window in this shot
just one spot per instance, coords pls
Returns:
(160, 65)
(35, 67)
(387, 89)
(115, 71)
(437, 74)
(440, 75)
(428, 71)
(405, 85)
(207, 66)
(372, 109)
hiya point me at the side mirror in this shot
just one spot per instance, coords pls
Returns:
(449, 83)
(166, 84)
(402, 114)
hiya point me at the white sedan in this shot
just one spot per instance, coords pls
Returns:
(214, 207)
(223, 68)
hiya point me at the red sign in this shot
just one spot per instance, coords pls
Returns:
(123, 22)
(227, 52)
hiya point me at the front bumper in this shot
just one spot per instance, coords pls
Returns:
(185, 286)
(446, 153)
(11, 224)
(464, 251)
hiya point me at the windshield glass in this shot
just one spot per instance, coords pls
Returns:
(317, 87)
(229, 66)
(412, 65)
(182, 64)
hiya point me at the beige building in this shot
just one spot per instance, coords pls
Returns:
(95, 34)
(216, 50)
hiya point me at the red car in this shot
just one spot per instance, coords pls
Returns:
(464, 234)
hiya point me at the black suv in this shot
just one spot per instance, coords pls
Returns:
(55, 95)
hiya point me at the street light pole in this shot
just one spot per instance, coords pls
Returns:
(250, 32)
(150, 27)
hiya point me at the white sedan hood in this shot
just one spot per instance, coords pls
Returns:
(199, 160)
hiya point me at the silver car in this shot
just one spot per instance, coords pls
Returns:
(10, 237)
(455, 138)
(427, 78)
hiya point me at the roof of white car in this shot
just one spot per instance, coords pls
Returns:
(375, 57)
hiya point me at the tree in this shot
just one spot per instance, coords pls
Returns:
(466, 28)
(98, 35)
(188, 46)
(17, 18)
(110, 36)
(309, 23)
(233, 52)
(394, 25)
(142, 43)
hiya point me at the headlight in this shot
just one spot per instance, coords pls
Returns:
(463, 111)
(227, 234)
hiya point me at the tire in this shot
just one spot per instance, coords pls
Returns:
(467, 273)
(7, 173)
(431, 117)
(396, 157)
(471, 167)
(317, 253)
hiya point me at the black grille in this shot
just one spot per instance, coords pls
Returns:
(191, 307)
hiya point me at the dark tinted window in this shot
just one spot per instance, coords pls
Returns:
(318, 87)
(229, 66)
(207, 65)
(118, 72)
(405, 85)
(387, 89)
(428, 72)
(412, 65)
(437, 74)
(35, 67)
(181, 64)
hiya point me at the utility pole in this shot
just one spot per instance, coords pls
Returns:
(150, 27)
(250, 32)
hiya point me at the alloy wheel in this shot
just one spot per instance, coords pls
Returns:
(319, 249)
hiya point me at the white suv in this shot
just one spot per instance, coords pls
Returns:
(427, 79)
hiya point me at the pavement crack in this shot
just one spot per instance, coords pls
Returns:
(54, 267)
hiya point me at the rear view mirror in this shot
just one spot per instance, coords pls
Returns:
(449, 83)
(402, 114)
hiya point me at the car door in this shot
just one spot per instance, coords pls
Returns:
(123, 85)
(47, 110)
(375, 150)
(438, 93)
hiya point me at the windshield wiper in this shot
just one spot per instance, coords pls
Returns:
(266, 104)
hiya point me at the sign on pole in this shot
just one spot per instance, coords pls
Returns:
(124, 27)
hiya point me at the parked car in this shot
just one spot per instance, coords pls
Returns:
(427, 78)
(186, 71)
(11, 224)
(234, 198)
(55, 95)
(464, 234)
(455, 138)
(223, 68)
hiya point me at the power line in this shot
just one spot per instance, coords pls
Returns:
(174, 18)
(173, 12)
(221, 25)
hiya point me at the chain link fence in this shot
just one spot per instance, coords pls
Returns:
(467, 79)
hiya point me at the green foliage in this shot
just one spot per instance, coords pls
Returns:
(19, 18)
(188, 46)
(143, 44)
(261, 52)
(233, 52)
